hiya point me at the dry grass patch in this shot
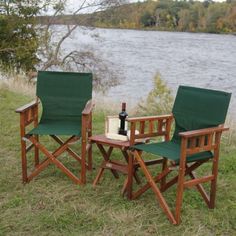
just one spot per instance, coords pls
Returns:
(18, 84)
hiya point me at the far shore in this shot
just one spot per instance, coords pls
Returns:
(150, 29)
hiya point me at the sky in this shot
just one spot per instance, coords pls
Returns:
(72, 4)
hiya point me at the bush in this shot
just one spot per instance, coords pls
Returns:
(159, 100)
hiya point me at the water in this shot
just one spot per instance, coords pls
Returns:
(196, 59)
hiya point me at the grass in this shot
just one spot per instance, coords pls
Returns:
(52, 205)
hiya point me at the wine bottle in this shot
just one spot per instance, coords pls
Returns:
(122, 116)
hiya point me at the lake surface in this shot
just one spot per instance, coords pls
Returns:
(196, 59)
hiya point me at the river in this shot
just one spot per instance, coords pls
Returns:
(195, 59)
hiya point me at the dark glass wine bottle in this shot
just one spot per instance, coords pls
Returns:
(122, 116)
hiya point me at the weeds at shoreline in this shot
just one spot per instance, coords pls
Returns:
(18, 84)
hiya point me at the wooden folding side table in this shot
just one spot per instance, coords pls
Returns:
(115, 166)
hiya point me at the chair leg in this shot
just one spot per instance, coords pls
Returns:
(213, 183)
(90, 165)
(180, 183)
(155, 189)
(215, 171)
(38, 169)
(66, 171)
(85, 132)
(179, 196)
(146, 186)
(24, 162)
(36, 152)
(83, 161)
(131, 173)
(213, 194)
(52, 158)
(163, 180)
(201, 190)
(98, 177)
(23, 149)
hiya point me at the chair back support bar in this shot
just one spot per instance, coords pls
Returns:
(151, 126)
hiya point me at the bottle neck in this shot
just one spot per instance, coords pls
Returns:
(123, 106)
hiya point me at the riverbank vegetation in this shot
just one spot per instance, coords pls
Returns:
(159, 100)
(191, 16)
(53, 205)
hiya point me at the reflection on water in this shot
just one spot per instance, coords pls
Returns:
(204, 60)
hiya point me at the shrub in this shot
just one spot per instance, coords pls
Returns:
(159, 100)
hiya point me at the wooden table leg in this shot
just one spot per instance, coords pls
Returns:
(127, 168)
(106, 155)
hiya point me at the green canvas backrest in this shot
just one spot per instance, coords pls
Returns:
(197, 108)
(63, 94)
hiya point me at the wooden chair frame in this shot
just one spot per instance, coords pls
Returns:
(29, 115)
(191, 142)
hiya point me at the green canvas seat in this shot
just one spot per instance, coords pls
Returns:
(199, 116)
(66, 110)
(58, 127)
(172, 151)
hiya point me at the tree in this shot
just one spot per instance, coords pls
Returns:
(215, 13)
(80, 59)
(184, 19)
(147, 19)
(18, 38)
(232, 18)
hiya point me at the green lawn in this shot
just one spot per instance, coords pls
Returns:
(52, 205)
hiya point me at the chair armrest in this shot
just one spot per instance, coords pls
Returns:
(202, 132)
(26, 107)
(28, 113)
(150, 126)
(88, 108)
(87, 118)
(196, 141)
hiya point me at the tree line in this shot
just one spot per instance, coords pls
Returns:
(191, 16)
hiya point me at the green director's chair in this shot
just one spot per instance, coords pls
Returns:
(199, 116)
(67, 111)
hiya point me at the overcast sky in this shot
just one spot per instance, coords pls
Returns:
(73, 4)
